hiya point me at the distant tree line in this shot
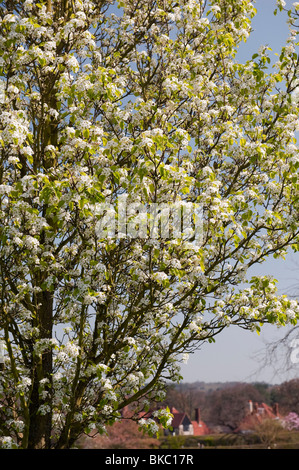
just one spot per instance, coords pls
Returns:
(226, 405)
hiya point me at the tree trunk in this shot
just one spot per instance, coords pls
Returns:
(40, 407)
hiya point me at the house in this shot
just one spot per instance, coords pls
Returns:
(256, 413)
(182, 425)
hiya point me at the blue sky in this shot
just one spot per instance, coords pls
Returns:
(235, 355)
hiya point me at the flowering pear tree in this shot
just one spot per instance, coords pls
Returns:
(113, 112)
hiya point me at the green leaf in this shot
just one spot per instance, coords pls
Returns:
(86, 133)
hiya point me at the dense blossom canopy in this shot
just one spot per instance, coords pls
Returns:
(143, 100)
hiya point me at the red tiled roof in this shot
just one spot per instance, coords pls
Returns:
(267, 410)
